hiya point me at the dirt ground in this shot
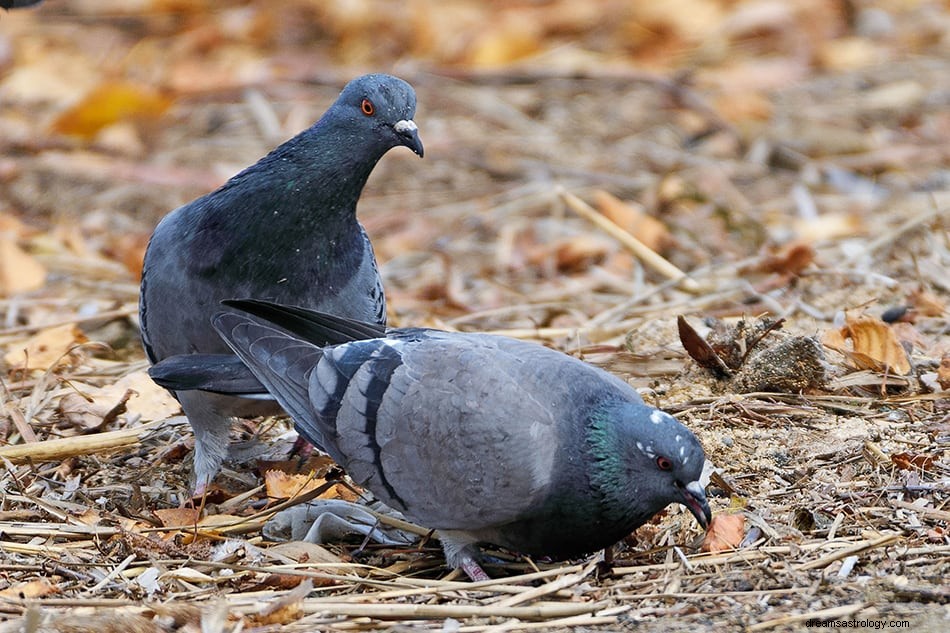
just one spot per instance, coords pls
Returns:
(820, 195)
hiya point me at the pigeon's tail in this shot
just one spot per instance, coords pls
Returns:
(281, 362)
(218, 373)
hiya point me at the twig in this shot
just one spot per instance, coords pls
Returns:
(646, 254)
(834, 613)
(389, 611)
(549, 588)
(887, 539)
(62, 448)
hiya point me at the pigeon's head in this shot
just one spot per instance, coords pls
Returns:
(650, 458)
(386, 105)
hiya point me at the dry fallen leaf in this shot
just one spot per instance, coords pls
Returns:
(943, 373)
(725, 532)
(49, 347)
(28, 590)
(147, 400)
(913, 461)
(790, 260)
(19, 271)
(177, 517)
(699, 350)
(634, 220)
(302, 552)
(108, 104)
(927, 303)
(874, 345)
(281, 485)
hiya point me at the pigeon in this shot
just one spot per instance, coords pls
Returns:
(483, 438)
(17, 4)
(283, 229)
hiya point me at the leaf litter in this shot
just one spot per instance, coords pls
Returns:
(578, 190)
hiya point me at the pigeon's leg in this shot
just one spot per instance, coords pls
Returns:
(302, 449)
(212, 430)
(471, 567)
(462, 553)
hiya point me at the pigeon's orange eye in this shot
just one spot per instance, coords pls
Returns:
(663, 463)
(367, 107)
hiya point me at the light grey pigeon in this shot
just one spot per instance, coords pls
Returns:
(483, 438)
(284, 229)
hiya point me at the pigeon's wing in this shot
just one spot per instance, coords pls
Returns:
(311, 325)
(218, 373)
(282, 363)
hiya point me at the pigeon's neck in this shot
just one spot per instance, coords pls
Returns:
(320, 173)
(613, 476)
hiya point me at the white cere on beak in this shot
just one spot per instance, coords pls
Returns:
(696, 489)
(405, 125)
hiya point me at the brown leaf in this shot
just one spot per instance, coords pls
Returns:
(699, 350)
(927, 303)
(108, 104)
(725, 532)
(177, 517)
(576, 254)
(19, 271)
(634, 220)
(791, 260)
(875, 345)
(31, 589)
(943, 373)
(282, 485)
(913, 461)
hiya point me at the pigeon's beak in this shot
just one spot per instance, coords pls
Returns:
(409, 133)
(694, 498)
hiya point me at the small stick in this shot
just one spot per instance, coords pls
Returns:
(646, 254)
(834, 613)
(51, 450)
(887, 539)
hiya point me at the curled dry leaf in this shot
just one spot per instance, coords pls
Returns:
(874, 345)
(790, 260)
(699, 350)
(725, 532)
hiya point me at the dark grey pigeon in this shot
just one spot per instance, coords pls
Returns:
(17, 4)
(284, 229)
(483, 438)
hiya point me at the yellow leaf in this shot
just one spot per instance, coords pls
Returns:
(49, 347)
(108, 104)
